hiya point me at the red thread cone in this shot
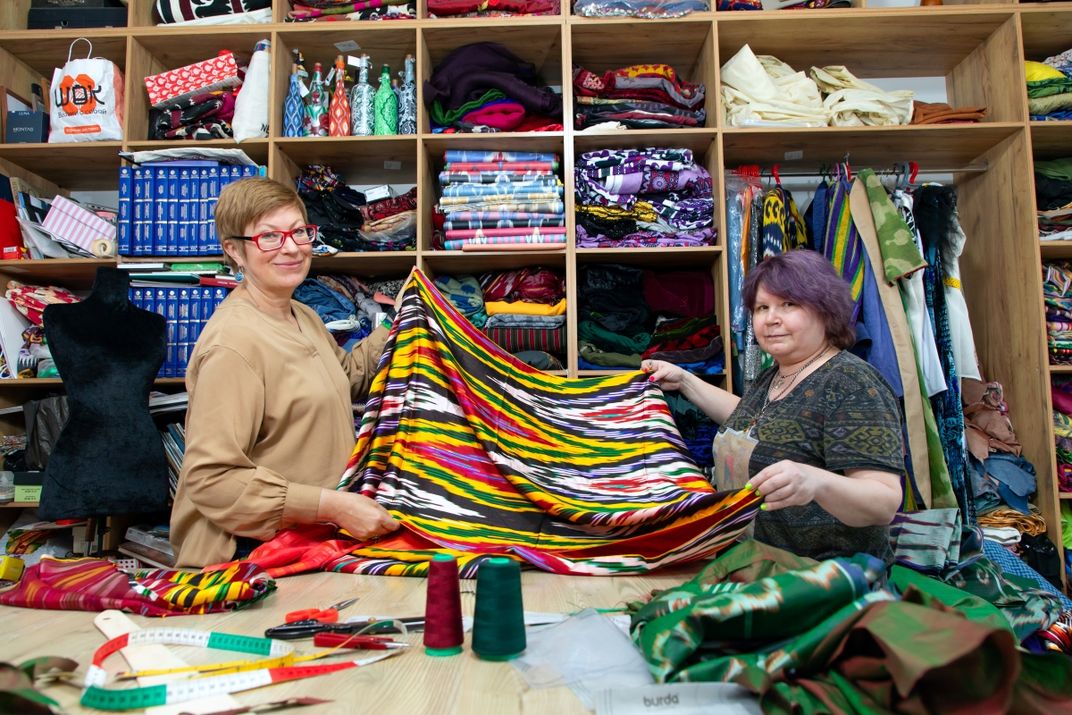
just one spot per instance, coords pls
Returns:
(443, 634)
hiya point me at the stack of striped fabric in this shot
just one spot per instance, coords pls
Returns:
(500, 200)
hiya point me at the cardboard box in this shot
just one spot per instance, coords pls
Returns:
(220, 72)
(23, 127)
(75, 224)
(28, 487)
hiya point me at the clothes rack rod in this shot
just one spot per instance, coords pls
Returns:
(970, 169)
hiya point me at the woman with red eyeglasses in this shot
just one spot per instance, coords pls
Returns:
(270, 423)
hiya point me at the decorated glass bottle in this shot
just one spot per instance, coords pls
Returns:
(293, 111)
(316, 104)
(361, 100)
(385, 106)
(339, 110)
(407, 100)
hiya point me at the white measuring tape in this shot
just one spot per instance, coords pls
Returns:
(252, 674)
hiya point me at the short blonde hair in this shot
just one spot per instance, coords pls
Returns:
(244, 201)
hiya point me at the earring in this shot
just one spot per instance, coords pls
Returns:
(239, 275)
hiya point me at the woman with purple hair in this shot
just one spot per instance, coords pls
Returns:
(820, 431)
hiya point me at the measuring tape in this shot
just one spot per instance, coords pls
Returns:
(255, 674)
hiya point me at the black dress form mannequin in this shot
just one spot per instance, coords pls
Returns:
(109, 458)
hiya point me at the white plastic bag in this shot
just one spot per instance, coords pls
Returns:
(251, 106)
(87, 100)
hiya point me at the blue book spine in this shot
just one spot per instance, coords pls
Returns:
(137, 297)
(196, 322)
(218, 296)
(171, 315)
(184, 225)
(252, 171)
(142, 187)
(125, 227)
(216, 182)
(171, 245)
(160, 215)
(206, 308)
(182, 332)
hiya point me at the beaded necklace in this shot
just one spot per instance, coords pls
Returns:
(777, 382)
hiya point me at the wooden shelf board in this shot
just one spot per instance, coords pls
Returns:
(683, 258)
(1064, 495)
(1055, 249)
(1060, 369)
(929, 44)
(371, 264)
(20, 505)
(505, 141)
(454, 262)
(934, 146)
(1051, 140)
(178, 49)
(72, 273)
(45, 50)
(80, 165)
(32, 382)
(255, 149)
(361, 160)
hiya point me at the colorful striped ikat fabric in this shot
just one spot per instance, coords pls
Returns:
(478, 454)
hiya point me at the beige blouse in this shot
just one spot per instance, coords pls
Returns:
(270, 424)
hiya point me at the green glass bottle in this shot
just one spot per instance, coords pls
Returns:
(385, 106)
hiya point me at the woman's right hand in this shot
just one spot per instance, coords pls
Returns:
(358, 515)
(664, 374)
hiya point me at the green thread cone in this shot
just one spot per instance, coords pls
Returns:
(499, 616)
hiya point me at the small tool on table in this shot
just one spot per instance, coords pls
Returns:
(309, 628)
(343, 640)
(317, 615)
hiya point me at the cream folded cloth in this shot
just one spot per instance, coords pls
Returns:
(855, 103)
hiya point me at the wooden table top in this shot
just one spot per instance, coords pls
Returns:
(409, 683)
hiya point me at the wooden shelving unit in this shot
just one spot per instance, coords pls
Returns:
(976, 49)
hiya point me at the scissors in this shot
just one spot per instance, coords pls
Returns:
(327, 615)
(309, 628)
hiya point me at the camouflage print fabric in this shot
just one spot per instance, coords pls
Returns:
(822, 637)
(900, 256)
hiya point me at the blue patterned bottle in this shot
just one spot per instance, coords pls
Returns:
(293, 110)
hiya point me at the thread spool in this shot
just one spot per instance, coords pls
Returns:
(443, 633)
(498, 618)
(103, 248)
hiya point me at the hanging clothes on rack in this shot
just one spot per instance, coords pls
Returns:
(942, 236)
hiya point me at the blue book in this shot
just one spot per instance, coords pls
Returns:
(171, 315)
(137, 297)
(160, 215)
(180, 163)
(196, 322)
(125, 222)
(142, 190)
(252, 171)
(216, 181)
(171, 243)
(184, 225)
(182, 332)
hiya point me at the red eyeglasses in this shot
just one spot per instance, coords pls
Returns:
(274, 240)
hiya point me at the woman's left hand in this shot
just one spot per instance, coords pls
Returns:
(787, 483)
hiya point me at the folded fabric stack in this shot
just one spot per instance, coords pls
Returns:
(1053, 198)
(213, 13)
(642, 198)
(491, 8)
(318, 10)
(942, 113)
(1049, 88)
(639, 96)
(639, 8)
(206, 115)
(499, 201)
(763, 91)
(626, 314)
(349, 307)
(525, 309)
(1057, 295)
(1061, 394)
(348, 223)
(483, 87)
(34, 358)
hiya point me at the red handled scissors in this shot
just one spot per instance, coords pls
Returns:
(327, 615)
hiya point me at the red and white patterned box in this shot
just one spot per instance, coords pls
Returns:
(75, 224)
(220, 72)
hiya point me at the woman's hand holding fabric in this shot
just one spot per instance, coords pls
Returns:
(358, 515)
(787, 483)
(664, 374)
